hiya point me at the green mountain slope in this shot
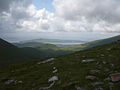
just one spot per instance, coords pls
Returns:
(37, 45)
(70, 71)
(94, 43)
(10, 54)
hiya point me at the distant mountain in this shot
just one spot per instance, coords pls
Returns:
(43, 46)
(54, 41)
(37, 45)
(94, 43)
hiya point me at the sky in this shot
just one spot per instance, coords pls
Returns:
(59, 19)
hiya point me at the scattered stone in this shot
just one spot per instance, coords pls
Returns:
(46, 88)
(48, 60)
(94, 71)
(109, 49)
(88, 60)
(54, 67)
(99, 89)
(112, 65)
(97, 63)
(107, 79)
(115, 77)
(97, 83)
(54, 78)
(20, 82)
(102, 55)
(9, 82)
(111, 86)
(79, 88)
(90, 77)
(55, 71)
(104, 62)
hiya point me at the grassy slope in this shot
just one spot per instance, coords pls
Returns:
(10, 54)
(37, 45)
(93, 43)
(71, 71)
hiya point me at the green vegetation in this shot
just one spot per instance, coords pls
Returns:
(37, 45)
(36, 50)
(71, 73)
(10, 54)
(93, 44)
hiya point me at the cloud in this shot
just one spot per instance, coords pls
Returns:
(21, 16)
(107, 10)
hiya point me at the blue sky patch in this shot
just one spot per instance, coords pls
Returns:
(47, 4)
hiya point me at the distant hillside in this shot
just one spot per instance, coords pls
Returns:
(37, 45)
(54, 41)
(94, 43)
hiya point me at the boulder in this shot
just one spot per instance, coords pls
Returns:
(94, 71)
(54, 78)
(97, 83)
(90, 77)
(9, 82)
(88, 60)
(115, 77)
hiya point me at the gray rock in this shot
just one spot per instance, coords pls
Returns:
(112, 65)
(54, 67)
(107, 79)
(102, 55)
(55, 71)
(111, 86)
(90, 77)
(97, 83)
(115, 77)
(98, 63)
(94, 71)
(88, 60)
(20, 81)
(104, 62)
(54, 78)
(48, 60)
(9, 82)
(79, 88)
(46, 88)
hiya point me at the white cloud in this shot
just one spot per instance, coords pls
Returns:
(70, 16)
